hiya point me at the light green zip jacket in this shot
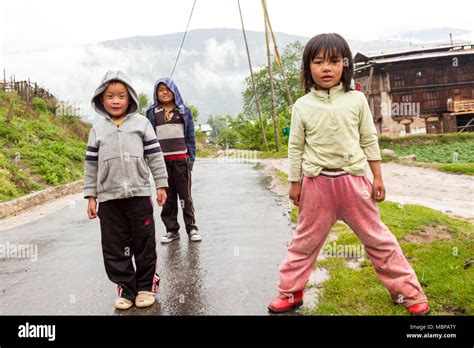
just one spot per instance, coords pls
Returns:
(331, 129)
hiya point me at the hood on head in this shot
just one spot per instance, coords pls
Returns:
(178, 100)
(114, 75)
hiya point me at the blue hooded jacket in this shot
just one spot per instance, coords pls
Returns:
(183, 109)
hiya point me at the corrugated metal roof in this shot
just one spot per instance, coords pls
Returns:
(414, 50)
(421, 56)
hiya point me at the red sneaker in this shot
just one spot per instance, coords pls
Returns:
(280, 305)
(419, 309)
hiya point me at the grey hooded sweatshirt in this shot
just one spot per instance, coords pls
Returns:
(119, 159)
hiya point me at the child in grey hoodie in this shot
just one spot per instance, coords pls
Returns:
(121, 151)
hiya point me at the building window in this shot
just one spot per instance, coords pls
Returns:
(432, 95)
(398, 80)
(406, 98)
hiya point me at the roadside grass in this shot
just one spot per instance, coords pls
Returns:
(206, 151)
(38, 149)
(437, 246)
(451, 152)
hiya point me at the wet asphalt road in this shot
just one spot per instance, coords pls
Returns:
(234, 270)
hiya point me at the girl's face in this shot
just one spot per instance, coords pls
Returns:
(326, 72)
(115, 99)
(164, 94)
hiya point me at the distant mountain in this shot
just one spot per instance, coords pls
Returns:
(211, 69)
(429, 35)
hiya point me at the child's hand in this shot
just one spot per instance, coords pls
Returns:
(378, 191)
(295, 191)
(92, 208)
(161, 196)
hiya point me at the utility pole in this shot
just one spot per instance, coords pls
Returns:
(254, 87)
(272, 88)
(277, 53)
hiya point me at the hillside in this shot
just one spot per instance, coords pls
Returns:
(37, 148)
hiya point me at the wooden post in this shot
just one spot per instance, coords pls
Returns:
(272, 88)
(277, 53)
(254, 87)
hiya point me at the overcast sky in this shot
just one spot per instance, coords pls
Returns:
(27, 24)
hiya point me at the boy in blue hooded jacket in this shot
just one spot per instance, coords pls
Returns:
(174, 126)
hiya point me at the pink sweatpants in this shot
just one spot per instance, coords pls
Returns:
(348, 198)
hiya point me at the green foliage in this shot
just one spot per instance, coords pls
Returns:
(194, 111)
(200, 136)
(291, 59)
(39, 105)
(143, 102)
(37, 148)
(217, 123)
(206, 151)
(451, 152)
(387, 142)
(228, 138)
(458, 168)
(245, 131)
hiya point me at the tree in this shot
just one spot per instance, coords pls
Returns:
(228, 138)
(217, 123)
(291, 59)
(143, 102)
(244, 131)
(194, 111)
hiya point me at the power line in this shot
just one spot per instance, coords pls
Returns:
(184, 38)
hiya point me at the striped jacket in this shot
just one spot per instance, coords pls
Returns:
(119, 159)
(188, 121)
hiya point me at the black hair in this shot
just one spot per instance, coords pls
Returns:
(333, 46)
(99, 97)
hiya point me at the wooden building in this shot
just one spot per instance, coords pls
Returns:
(426, 90)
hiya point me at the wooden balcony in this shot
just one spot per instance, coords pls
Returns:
(463, 105)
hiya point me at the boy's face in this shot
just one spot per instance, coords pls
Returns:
(115, 99)
(164, 94)
(326, 73)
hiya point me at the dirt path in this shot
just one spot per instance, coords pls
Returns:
(451, 194)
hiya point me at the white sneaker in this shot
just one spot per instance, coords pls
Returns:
(169, 237)
(194, 236)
